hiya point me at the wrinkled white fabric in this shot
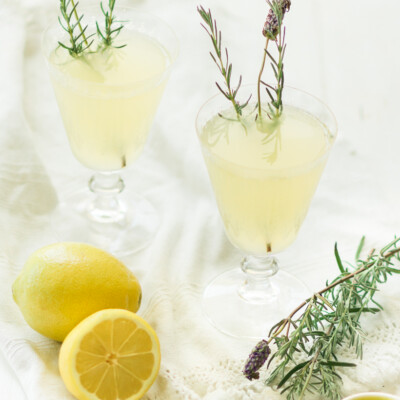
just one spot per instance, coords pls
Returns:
(344, 52)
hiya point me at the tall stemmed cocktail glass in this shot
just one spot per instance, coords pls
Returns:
(108, 99)
(264, 175)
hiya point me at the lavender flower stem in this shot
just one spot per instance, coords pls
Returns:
(260, 76)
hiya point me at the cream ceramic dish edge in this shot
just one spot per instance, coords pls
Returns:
(372, 395)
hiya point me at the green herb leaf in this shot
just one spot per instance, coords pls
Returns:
(338, 364)
(360, 248)
(291, 372)
(338, 260)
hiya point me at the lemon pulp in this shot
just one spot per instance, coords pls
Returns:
(112, 355)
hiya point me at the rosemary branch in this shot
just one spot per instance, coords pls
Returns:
(330, 319)
(110, 32)
(79, 22)
(225, 67)
(78, 42)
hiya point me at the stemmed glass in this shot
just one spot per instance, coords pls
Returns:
(262, 204)
(107, 121)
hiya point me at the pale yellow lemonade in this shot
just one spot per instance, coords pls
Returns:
(108, 98)
(264, 178)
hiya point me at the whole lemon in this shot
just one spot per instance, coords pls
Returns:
(62, 284)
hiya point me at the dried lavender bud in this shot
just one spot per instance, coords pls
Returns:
(271, 26)
(285, 4)
(271, 29)
(256, 360)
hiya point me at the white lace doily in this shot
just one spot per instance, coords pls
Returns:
(214, 371)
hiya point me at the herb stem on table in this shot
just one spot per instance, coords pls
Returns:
(307, 344)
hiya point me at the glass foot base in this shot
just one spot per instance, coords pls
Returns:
(232, 315)
(73, 221)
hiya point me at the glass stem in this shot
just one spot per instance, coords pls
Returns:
(106, 207)
(257, 287)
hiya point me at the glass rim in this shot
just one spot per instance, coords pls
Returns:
(140, 85)
(295, 170)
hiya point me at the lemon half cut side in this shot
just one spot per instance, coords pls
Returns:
(111, 355)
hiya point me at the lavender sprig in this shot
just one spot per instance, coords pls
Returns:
(257, 358)
(272, 30)
(272, 26)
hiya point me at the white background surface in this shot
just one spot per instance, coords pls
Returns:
(343, 51)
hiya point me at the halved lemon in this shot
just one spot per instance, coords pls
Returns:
(111, 355)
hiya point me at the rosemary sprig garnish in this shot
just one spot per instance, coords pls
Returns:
(273, 31)
(72, 20)
(225, 67)
(308, 340)
(110, 32)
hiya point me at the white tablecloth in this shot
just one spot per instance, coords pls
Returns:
(345, 52)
